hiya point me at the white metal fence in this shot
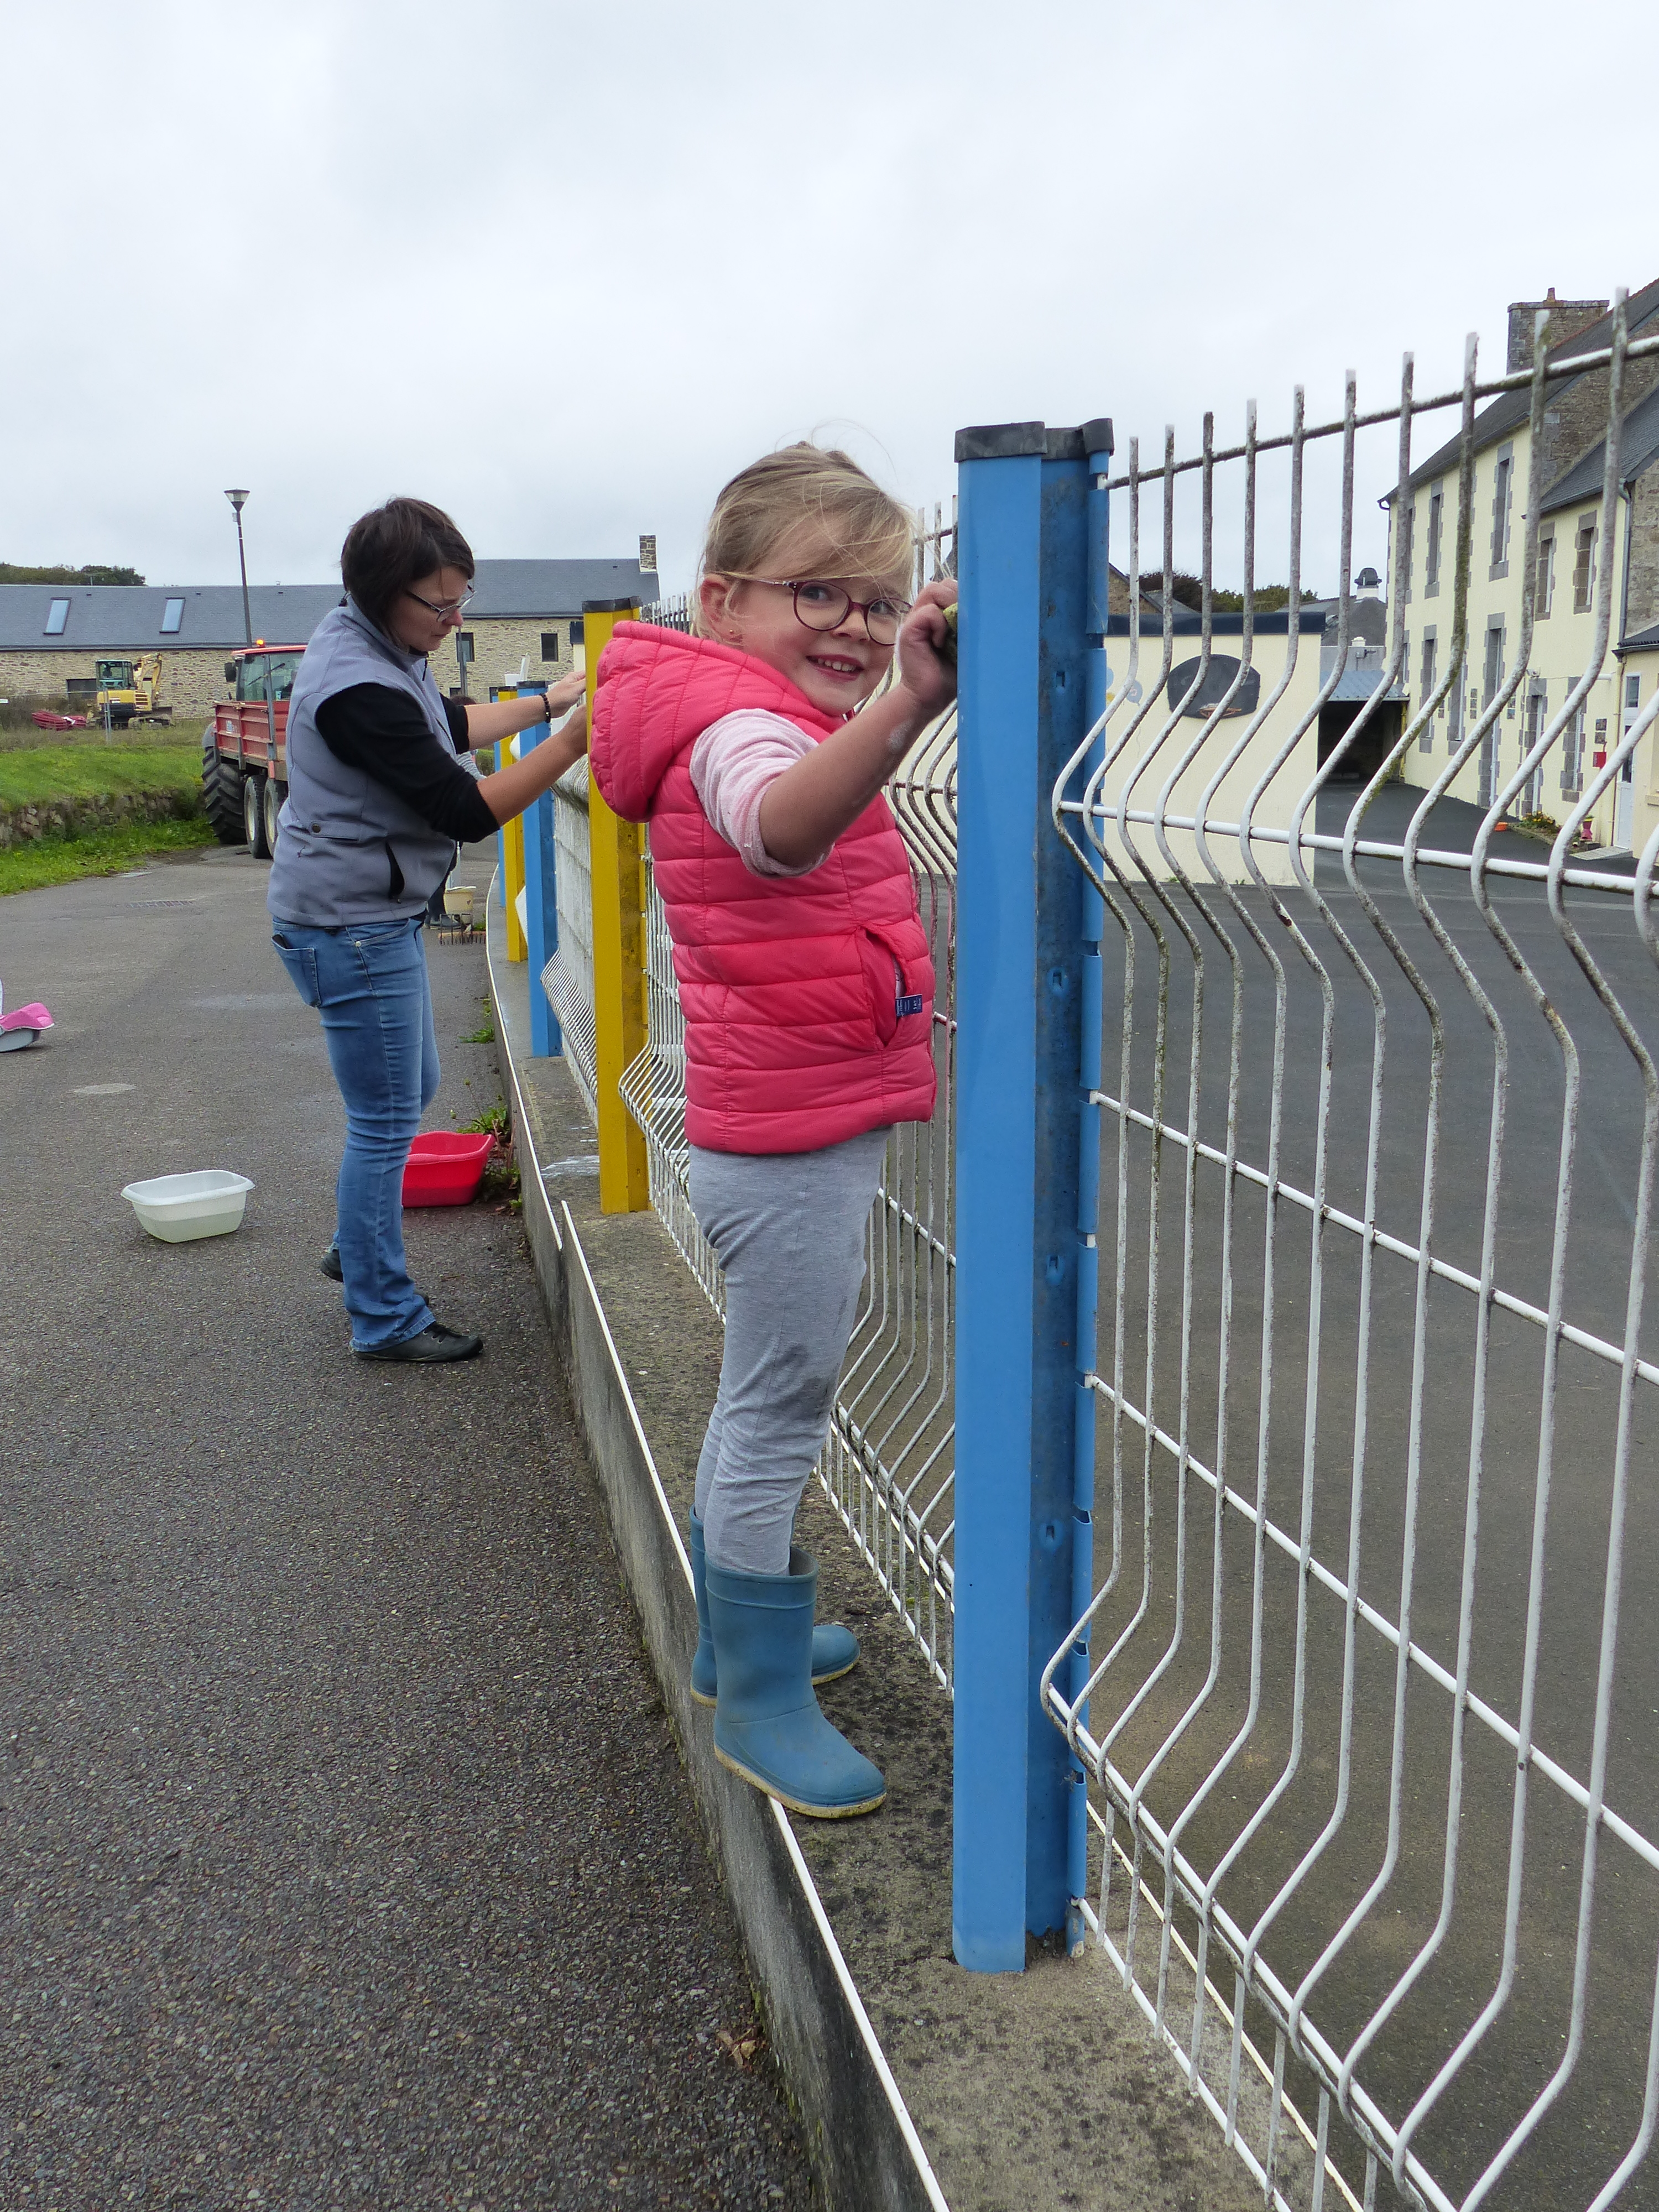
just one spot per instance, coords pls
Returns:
(1372, 1703)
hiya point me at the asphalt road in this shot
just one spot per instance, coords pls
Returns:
(345, 1856)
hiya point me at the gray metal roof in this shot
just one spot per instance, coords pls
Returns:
(1510, 409)
(127, 618)
(1641, 640)
(1359, 683)
(1639, 449)
(528, 589)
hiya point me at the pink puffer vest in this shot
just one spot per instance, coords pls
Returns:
(809, 999)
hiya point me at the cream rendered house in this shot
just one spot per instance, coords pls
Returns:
(1572, 559)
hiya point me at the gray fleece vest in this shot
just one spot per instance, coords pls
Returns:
(350, 850)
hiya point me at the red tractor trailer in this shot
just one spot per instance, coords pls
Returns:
(245, 748)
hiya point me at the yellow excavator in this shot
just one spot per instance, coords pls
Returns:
(130, 691)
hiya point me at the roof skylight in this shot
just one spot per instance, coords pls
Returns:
(57, 615)
(172, 615)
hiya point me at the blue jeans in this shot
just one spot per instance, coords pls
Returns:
(368, 982)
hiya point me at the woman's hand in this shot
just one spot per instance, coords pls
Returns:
(571, 736)
(566, 692)
(515, 787)
(926, 670)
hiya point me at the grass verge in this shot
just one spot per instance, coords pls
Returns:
(44, 773)
(46, 860)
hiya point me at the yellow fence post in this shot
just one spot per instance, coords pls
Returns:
(512, 846)
(616, 851)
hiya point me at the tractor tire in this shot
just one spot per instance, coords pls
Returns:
(253, 816)
(221, 797)
(271, 806)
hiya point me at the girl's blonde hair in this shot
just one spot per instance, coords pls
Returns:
(865, 531)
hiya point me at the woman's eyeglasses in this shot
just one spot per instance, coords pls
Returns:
(442, 608)
(826, 606)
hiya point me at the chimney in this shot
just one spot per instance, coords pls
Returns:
(1566, 319)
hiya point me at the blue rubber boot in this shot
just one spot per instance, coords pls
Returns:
(767, 1727)
(835, 1649)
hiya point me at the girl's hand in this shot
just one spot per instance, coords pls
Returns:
(926, 671)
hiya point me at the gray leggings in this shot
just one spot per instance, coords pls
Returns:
(788, 1229)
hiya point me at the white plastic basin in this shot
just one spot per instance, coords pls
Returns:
(178, 1207)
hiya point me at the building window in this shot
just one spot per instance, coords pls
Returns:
(576, 629)
(1425, 691)
(1632, 691)
(57, 615)
(1408, 533)
(550, 649)
(1494, 669)
(1502, 477)
(1431, 556)
(1572, 751)
(172, 615)
(1584, 565)
(1545, 591)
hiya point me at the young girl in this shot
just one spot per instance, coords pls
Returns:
(808, 994)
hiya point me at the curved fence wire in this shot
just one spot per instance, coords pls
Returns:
(1370, 1711)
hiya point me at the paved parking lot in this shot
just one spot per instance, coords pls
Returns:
(344, 1853)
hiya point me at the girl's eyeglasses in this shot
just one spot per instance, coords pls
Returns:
(826, 606)
(442, 608)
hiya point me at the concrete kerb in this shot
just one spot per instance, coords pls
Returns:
(863, 2140)
(1013, 2093)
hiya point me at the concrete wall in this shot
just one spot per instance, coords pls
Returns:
(1273, 811)
(1644, 667)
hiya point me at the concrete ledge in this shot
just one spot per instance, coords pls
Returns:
(1038, 2091)
(864, 2142)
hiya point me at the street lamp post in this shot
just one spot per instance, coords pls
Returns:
(236, 498)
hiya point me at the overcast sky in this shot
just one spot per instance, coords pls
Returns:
(564, 269)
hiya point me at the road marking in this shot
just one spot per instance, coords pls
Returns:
(101, 1089)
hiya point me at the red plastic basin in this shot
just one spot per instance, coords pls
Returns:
(446, 1168)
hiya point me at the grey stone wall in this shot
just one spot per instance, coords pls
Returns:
(1566, 319)
(1642, 607)
(498, 647)
(191, 679)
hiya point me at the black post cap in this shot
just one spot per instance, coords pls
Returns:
(1008, 441)
(1000, 441)
(609, 606)
(1096, 436)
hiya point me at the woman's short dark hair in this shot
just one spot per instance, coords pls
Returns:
(386, 549)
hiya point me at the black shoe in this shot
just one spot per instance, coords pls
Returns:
(329, 1265)
(436, 1342)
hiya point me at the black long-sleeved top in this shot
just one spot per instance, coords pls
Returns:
(382, 731)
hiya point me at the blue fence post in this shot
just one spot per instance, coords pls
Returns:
(1022, 567)
(541, 908)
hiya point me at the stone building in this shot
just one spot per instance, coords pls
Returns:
(525, 616)
(1572, 559)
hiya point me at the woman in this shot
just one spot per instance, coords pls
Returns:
(377, 802)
